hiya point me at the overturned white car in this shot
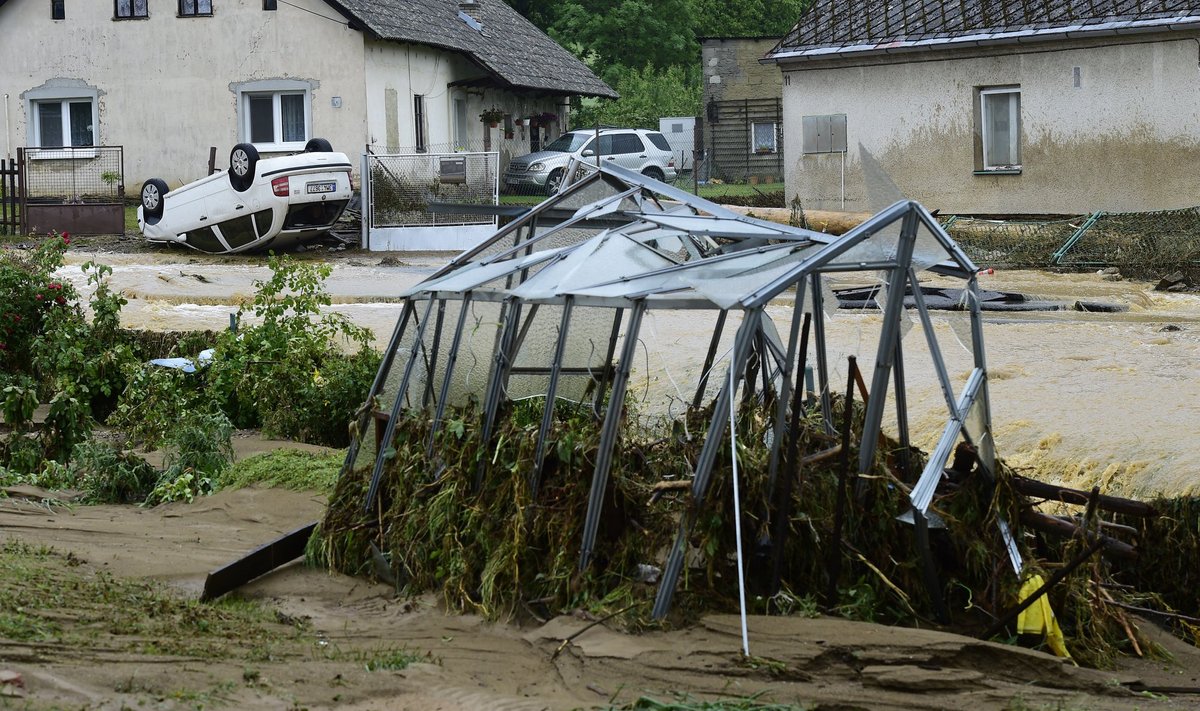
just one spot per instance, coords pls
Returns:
(257, 203)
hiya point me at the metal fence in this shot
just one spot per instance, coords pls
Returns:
(404, 188)
(743, 140)
(10, 216)
(91, 174)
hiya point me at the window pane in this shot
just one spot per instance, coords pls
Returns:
(57, 11)
(204, 7)
(187, 7)
(124, 8)
(49, 116)
(1002, 129)
(139, 8)
(81, 124)
(764, 136)
(262, 119)
(627, 143)
(292, 108)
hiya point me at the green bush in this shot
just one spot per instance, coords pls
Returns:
(108, 475)
(200, 450)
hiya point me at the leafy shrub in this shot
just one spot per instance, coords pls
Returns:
(153, 400)
(285, 468)
(28, 294)
(201, 448)
(108, 475)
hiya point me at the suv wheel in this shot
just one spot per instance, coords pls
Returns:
(654, 174)
(242, 161)
(554, 182)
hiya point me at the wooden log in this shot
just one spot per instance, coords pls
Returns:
(1056, 526)
(838, 223)
(1042, 490)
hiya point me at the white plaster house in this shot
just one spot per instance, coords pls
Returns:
(991, 107)
(167, 79)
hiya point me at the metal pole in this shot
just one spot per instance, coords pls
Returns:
(833, 556)
(560, 348)
(451, 361)
(786, 387)
(818, 318)
(704, 465)
(608, 435)
(431, 365)
(397, 406)
(718, 329)
(783, 490)
(608, 359)
(500, 365)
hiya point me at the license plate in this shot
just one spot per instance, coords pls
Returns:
(329, 187)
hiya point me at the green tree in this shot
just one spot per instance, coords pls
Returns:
(646, 95)
(623, 33)
(747, 18)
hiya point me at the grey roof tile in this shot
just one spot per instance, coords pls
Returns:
(843, 23)
(509, 47)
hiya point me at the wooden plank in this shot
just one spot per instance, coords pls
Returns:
(257, 562)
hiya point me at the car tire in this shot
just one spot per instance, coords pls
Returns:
(318, 145)
(154, 194)
(654, 173)
(554, 181)
(243, 160)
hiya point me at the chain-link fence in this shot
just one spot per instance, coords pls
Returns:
(1012, 244)
(91, 174)
(1140, 244)
(415, 189)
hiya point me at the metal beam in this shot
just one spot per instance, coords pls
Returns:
(608, 436)
(451, 361)
(560, 349)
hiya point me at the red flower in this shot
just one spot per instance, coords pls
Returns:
(54, 285)
(39, 297)
(16, 317)
(59, 300)
(66, 239)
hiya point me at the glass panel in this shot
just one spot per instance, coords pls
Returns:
(764, 137)
(50, 129)
(204, 240)
(262, 118)
(292, 108)
(979, 431)
(204, 7)
(1002, 128)
(262, 221)
(81, 124)
(239, 232)
(124, 8)
(187, 7)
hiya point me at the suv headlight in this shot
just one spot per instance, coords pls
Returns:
(537, 167)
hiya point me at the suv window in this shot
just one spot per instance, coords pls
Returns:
(625, 143)
(659, 141)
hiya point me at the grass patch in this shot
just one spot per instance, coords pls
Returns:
(131, 223)
(51, 597)
(286, 469)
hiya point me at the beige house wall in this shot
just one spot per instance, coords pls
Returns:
(1127, 138)
(732, 70)
(167, 85)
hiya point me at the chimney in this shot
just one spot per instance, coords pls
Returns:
(470, 8)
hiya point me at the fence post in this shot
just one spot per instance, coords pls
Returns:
(21, 197)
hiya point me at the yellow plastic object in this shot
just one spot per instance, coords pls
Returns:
(1039, 619)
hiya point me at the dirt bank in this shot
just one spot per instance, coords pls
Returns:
(317, 635)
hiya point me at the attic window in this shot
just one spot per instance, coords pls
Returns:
(270, 5)
(57, 10)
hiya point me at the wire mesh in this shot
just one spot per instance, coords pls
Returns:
(89, 174)
(1140, 244)
(1013, 244)
(404, 186)
(744, 140)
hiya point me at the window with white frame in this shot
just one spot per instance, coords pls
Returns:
(1000, 127)
(762, 138)
(130, 9)
(63, 121)
(275, 115)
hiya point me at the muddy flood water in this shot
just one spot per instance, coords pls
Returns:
(1078, 398)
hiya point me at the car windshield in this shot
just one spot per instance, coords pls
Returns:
(567, 143)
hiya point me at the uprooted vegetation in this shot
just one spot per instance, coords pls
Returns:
(501, 553)
(67, 368)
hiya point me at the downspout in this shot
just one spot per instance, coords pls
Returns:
(7, 131)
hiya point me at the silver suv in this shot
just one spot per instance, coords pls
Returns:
(635, 148)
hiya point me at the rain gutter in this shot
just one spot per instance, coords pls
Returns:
(987, 39)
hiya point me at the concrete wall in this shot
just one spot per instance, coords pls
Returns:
(167, 85)
(1128, 138)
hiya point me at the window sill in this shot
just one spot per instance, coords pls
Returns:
(60, 153)
(138, 17)
(998, 171)
(200, 14)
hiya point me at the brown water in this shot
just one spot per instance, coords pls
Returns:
(1079, 398)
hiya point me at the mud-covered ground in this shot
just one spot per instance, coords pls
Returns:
(307, 639)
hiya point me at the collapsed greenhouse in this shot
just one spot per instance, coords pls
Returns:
(498, 459)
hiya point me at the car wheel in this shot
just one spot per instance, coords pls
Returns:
(318, 145)
(154, 193)
(654, 173)
(554, 182)
(242, 161)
